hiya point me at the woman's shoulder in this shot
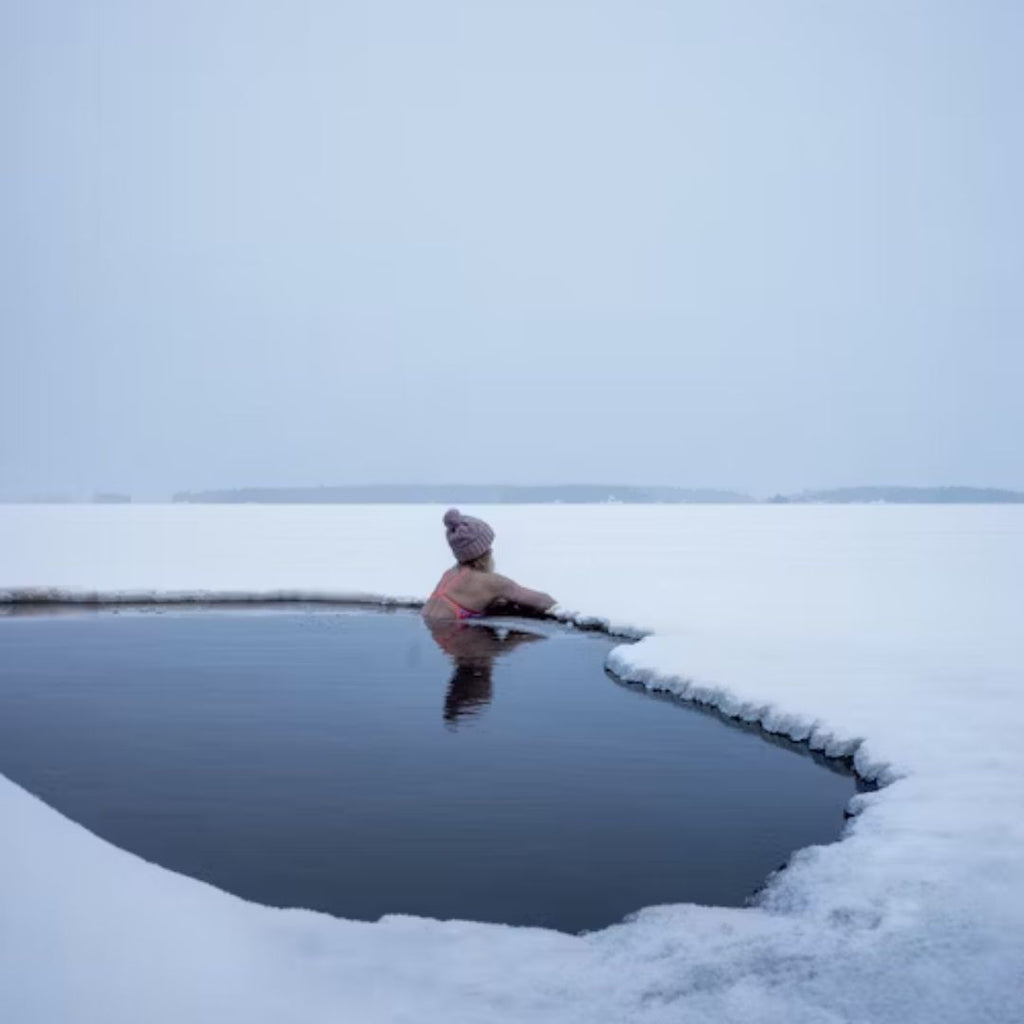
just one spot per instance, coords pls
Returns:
(498, 585)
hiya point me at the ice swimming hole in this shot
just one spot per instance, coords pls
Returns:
(358, 763)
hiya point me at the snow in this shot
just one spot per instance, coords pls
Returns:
(889, 633)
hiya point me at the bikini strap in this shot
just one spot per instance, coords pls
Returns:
(442, 591)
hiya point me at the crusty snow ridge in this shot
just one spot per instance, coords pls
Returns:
(57, 596)
(13, 598)
(770, 718)
(888, 633)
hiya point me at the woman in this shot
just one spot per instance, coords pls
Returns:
(472, 589)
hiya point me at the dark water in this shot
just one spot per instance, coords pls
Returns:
(354, 763)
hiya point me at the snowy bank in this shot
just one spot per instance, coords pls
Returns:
(887, 633)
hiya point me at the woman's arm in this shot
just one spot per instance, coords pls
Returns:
(510, 591)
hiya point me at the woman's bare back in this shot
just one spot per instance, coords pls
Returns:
(478, 591)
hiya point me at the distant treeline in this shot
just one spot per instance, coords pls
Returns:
(586, 494)
(903, 496)
(465, 494)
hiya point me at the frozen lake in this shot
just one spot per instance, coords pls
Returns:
(887, 634)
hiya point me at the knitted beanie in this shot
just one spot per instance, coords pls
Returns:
(468, 538)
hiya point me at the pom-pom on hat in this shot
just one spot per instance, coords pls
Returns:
(468, 538)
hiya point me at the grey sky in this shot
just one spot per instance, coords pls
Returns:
(757, 244)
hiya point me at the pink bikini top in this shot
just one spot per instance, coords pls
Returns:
(441, 592)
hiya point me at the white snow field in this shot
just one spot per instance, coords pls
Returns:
(894, 633)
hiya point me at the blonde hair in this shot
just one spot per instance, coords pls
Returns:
(482, 563)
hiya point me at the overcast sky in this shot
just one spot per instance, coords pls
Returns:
(767, 245)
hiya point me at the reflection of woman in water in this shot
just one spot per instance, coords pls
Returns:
(473, 648)
(471, 588)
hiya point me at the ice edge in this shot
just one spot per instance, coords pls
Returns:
(812, 732)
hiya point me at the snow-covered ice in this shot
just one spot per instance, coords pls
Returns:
(891, 633)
